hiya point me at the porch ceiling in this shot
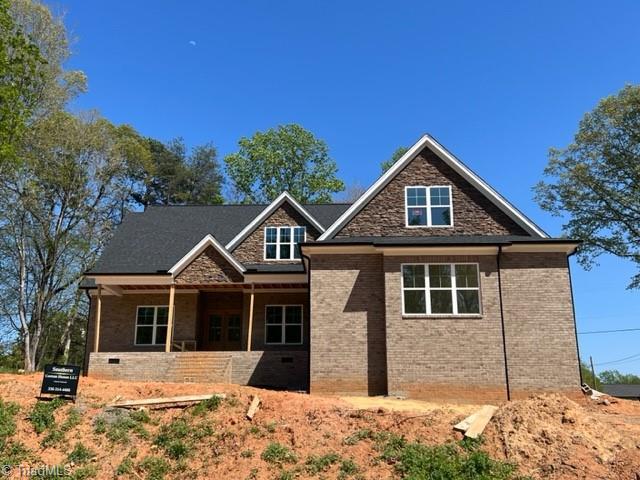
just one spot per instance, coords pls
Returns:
(216, 286)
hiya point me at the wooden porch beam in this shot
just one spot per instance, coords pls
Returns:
(169, 339)
(249, 332)
(96, 336)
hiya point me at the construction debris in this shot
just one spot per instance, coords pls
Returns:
(474, 424)
(253, 408)
(166, 402)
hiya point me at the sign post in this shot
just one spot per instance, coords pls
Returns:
(60, 380)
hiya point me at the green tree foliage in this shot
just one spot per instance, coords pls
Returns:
(20, 62)
(287, 158)
(595, 181)
(59, 206)
(395, 156)
(176, 177)
(615, 377)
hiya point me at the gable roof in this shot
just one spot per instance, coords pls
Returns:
(267, 212)
(427, 141)
(208, 241)
(152, 241)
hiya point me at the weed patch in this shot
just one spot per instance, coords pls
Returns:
(80, 454)
(208, 405)
(277, 453)
(41, 416)
(452, 461)
(8, 411)
(155, 467)
(320, 463)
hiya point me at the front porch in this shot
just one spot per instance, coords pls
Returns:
(253, 334)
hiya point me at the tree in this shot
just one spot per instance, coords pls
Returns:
(395, 156)
(595, 181)
(20, 62)
(59, 206)
(352, 193)
(615, 377)
(287, 158)
(177, 178)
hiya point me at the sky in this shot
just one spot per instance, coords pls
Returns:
(498, 83)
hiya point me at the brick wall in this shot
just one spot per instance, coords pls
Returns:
(347, 348)
(473, 213)
(209, 267)
(448, 357)
(278, 369)
(251, 250)
(539, 324)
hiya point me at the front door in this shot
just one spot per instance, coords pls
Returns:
(223, 330)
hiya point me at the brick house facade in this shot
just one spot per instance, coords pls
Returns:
(431, 285)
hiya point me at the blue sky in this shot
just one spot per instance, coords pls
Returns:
(498, 83)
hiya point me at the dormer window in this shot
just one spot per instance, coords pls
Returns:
(282, 243)
(428, 206)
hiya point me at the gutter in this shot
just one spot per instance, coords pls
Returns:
(309, 329)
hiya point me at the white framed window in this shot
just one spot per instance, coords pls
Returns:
(151, 324)
(283, 324)
(282, 243)
(428, 206)
(440, 289)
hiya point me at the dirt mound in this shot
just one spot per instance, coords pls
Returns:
(551, 436)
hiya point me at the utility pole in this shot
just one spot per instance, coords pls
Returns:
(593, 373)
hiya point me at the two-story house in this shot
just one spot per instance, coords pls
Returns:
(430, 285)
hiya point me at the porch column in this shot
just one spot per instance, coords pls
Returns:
(96, 336)
(169, 340)
(249, 332)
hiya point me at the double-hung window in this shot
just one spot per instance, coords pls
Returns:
(282, 243)
(151, 325)
(440, 289)
(428, 206)
(283, 324)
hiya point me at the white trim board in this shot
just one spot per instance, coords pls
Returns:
(207, 241)
(256, 222)
(428, 141)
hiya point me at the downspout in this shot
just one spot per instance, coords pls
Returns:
(504, 337)
(575, 324)
(309, 315)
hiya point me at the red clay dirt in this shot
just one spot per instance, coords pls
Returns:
(548, 436)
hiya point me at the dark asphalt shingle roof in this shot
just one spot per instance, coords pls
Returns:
(153, 241)
(621, 390)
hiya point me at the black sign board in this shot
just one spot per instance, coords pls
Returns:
(60, 380)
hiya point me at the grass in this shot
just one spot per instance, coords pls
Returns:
(80, 454)
(155, 467)
(125, 423)
(14, 453)
(320, 463)
(56, 434)
(453, 461)
(277, 453)
(347, 468)
(84, 472)
(246, 453)
(8, 412)
(209, 405)
(359, 435)
(41, 416)
(172, 438)
(126, 466)
(271, 427)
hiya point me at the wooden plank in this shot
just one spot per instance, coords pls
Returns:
(165, 401)
(463, 426)
(255, 403)
(477, 426)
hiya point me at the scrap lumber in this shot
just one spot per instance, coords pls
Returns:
(463, 426)
(253, 408)
(483, 416)
(166, 402)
